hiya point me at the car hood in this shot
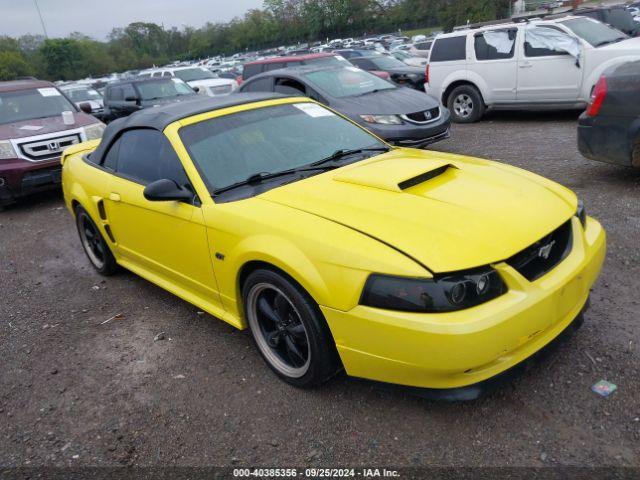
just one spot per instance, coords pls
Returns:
(447, 212)
(631, 45)
(396, 101)
(42, 126)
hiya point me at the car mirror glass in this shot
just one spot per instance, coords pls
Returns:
(166, 190)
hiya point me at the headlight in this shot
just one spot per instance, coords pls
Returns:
(382, 119)
(445, 294)
(94, 131)
(581, 213)
(7, 151)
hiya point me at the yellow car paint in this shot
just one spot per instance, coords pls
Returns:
(329, 232)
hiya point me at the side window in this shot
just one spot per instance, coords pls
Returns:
(259, 85)
(166, 74)
(273, 66)
(110, 160)
(495, 44)
(251, 70)
(289, 87)
(116, 93)
(448, 49)
(145, 155)
(128, 91)
(546, 42)
(424, 46)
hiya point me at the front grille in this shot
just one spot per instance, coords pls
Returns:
(541, 257)
(48, 148)
(424, 116)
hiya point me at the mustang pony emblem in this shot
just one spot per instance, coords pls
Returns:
(545, 250)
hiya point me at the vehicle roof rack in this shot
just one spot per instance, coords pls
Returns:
(520, 18)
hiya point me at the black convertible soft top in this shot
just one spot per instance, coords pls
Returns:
(159, 118)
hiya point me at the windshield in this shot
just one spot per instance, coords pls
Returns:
(29, 104)
(82, 94)
(347, 82)
(229, 149)
(594, 32)
(387, 63)
(191, 74)
(170, 87)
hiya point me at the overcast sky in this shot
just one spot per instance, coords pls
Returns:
(97, 17)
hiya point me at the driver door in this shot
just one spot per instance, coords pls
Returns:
(164, 241)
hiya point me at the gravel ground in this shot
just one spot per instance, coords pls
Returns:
(77, 391)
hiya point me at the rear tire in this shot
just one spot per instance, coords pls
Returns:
(465, 104)
(288, 329)
(93, 243)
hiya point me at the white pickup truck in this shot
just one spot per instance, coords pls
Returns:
(541, 64)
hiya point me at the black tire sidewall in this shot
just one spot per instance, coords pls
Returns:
(324, 358)
(478, 104)
(109, 266)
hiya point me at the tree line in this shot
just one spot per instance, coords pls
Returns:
(279, 22)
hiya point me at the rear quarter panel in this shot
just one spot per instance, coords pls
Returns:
(80, 180)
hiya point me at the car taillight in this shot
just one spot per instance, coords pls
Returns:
(426, 74)
(597, 97)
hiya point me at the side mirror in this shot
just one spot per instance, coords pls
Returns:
(166, 190)
(132, 98)
(85, 107)
(196, 89)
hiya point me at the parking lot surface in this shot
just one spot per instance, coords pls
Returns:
(82, 381)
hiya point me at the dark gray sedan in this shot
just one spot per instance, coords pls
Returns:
(609, 130)
(400, 115)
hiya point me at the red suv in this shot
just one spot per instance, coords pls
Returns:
(37, 122)
(259, 66)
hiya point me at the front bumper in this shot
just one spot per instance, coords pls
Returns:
(19, 177)
(412, 134)
(458, 349)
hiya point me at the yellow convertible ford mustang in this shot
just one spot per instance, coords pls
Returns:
(338, 251)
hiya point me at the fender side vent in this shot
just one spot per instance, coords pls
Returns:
(107, 229)
(424, 177)
(101, 210)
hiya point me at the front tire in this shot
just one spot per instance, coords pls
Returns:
(465, 104)
(289, 329)
(94, 245)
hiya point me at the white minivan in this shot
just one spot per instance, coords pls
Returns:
(540, 64)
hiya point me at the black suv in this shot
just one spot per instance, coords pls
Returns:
(617, 16)
(124, 98)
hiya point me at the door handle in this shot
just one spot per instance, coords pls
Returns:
(526, 65)
(115, 197)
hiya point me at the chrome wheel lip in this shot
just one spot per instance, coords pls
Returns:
(272, 357)
(88, 244)
(463, 105)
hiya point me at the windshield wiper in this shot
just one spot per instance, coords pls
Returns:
(338, 154)
(262, 176)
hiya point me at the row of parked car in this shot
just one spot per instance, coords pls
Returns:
(567, 62)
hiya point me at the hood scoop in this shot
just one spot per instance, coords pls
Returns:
(394, 174)
(424, 177)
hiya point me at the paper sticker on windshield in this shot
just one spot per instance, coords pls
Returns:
(48, 92)
(313, 110)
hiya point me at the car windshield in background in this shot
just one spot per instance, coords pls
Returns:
(191, 74)
(332, 60)
(347, 82)
(229, 149)
(83, 94)
(170, 87)
(29, 104)
(387, 63)
(594, 32)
